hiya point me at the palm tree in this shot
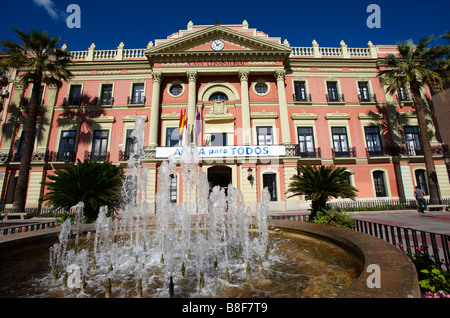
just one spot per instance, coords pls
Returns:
(418, 66)
(319, 184)
(41, 62)
(96, 184)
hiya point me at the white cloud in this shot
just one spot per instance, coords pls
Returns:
(49, 7)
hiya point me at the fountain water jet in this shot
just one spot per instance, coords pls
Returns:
(200, 235)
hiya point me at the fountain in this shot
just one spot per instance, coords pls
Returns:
(211, 245)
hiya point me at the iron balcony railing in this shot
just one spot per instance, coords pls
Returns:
(96, 156)
(363, 98)
(310, 153)
(302, 98)
(132, 100)
(72, 101)
(335, 98)
(103, 101)
(350, 153)
(62, 156)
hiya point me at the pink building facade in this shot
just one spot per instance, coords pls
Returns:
(255, 105)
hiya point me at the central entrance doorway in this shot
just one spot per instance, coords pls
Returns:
(219, 176)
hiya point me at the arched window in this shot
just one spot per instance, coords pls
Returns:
(218, 96)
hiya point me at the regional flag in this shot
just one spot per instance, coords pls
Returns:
(182, 121)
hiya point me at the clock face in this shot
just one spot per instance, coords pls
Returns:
(217, 45)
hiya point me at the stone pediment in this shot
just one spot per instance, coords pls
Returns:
(197, 45)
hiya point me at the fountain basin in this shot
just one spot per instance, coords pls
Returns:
(398, 277)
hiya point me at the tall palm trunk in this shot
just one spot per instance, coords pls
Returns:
(20, 194)
(433, 186)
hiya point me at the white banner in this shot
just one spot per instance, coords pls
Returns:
(226, 151)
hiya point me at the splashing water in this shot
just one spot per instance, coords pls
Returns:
(201, 245)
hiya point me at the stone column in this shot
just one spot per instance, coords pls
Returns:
(154, 115)
(246, 130)
(192, 102)
(284, 118)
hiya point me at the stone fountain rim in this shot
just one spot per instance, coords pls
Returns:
(398, 273)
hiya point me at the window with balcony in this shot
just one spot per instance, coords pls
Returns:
(106, 97)
(173, 138)
(100, 145)
(74, 95)
(332, 93)
(379, 183)
(300, 92)
(340, 142)
(373, 141)
(412, 138)
(264, 136)
(138, 94)
(66, 150)
(402, 94)
(364, 95)
(130, 145)
(306, 142)
(270, 182)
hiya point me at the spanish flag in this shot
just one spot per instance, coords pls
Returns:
(182, 121)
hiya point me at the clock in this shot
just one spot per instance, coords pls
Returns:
(217, 45)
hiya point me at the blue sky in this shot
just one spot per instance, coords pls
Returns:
(134, 22)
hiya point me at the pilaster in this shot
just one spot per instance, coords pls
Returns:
(284, 118)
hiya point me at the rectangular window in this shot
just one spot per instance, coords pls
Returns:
(270, 182)
(413, 143)
(130, 145)
(340, 142)
(173, 138)
(332, 92)
(380, 187)
(100, 145)
(218, 139)
(306, 142)
(373, 140)
(41, 95)
(402, 95)
(106, 96)
(138, 96)
(300, 92)
(421, 179)
(264, 135)
(67, 145)
(364, 92)
(75, 95)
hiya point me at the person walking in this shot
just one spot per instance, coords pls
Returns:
(419, 194)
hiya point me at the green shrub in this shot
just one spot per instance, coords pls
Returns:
(334, 218)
